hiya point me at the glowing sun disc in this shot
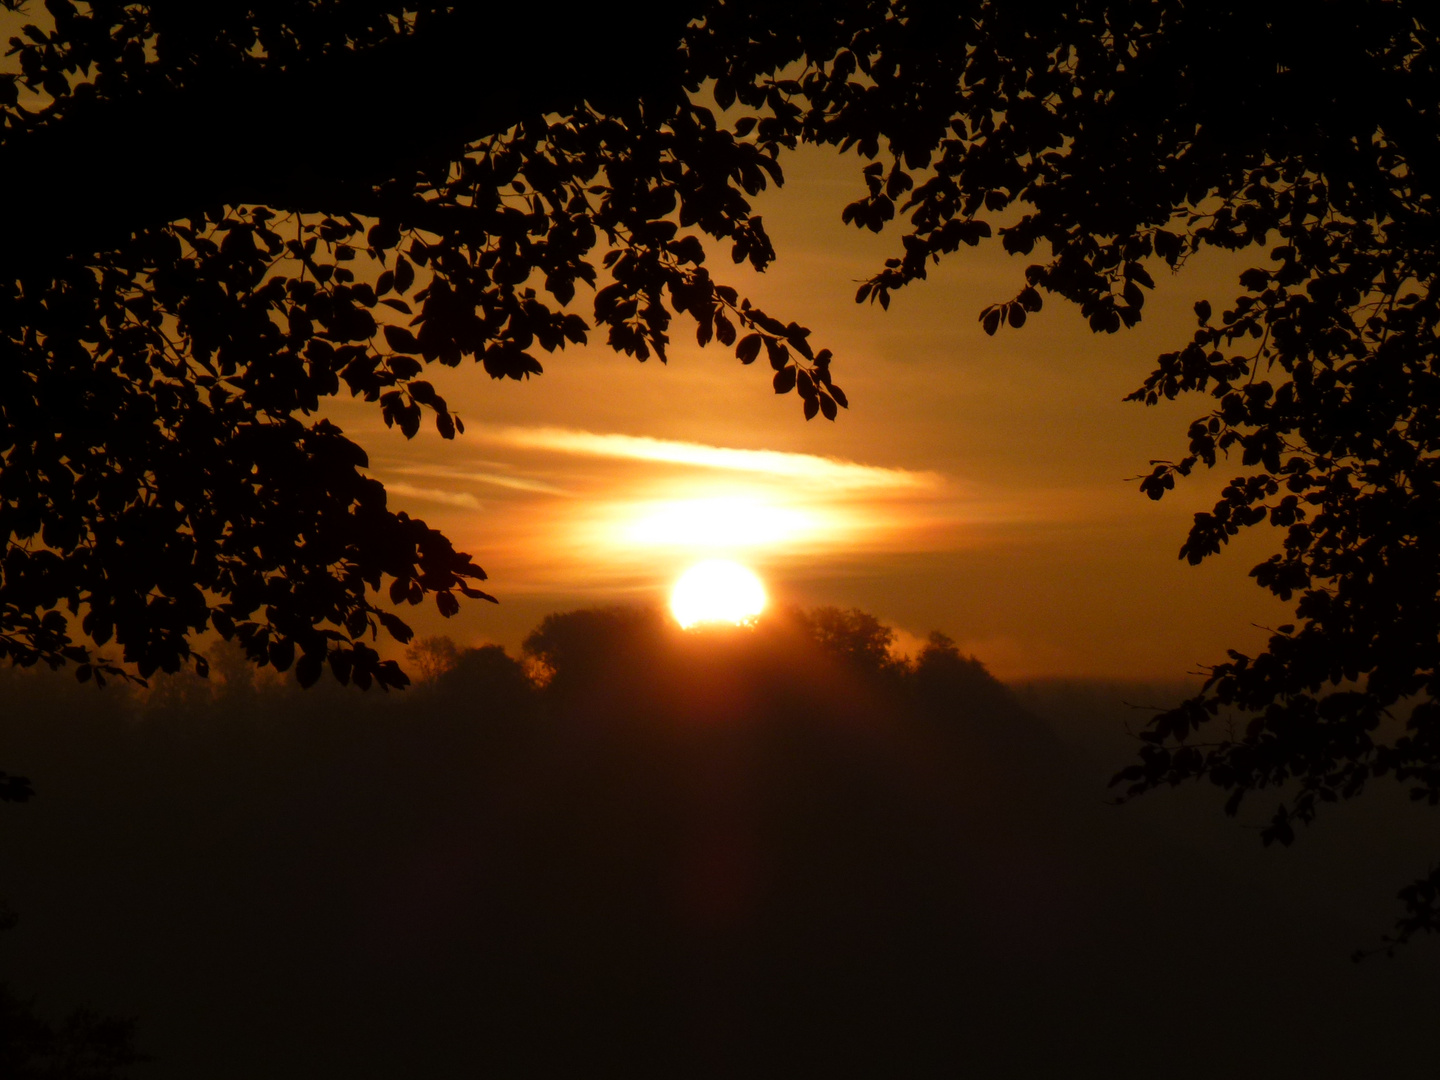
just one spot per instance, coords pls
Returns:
(717, 591)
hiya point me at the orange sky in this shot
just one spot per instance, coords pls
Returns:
(976, 485)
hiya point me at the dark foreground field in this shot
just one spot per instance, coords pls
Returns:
(762, 853)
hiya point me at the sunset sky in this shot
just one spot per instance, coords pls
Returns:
(978, 486)
(689, 828)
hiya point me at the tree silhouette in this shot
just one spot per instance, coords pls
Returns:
(84, 1046)
(892, 875)
(433, 656)
(236, 210)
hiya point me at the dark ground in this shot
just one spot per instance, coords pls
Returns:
(743, 854)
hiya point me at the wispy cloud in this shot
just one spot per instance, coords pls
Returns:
(829, 472)
(461, 499)
(440, 472)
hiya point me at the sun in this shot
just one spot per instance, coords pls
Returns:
(717, 591)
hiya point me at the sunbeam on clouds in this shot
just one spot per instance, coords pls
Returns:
(590, 511)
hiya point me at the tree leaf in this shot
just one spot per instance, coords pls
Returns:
(401, 339)
(749, 348)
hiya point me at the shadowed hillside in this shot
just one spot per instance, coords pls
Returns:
(642, 851)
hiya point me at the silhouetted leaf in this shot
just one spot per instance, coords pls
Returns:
(779, 354)
(749, 348)
(404, 274)
(401, 339)
(308, 669)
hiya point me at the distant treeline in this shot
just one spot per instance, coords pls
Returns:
(633, 850)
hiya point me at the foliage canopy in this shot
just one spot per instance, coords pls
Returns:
(184, 291)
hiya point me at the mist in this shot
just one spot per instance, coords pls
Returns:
(631, 849)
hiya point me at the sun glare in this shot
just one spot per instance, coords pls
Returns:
(717, 522)
(717, 591)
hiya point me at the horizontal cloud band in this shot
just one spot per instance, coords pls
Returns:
(812, 468)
